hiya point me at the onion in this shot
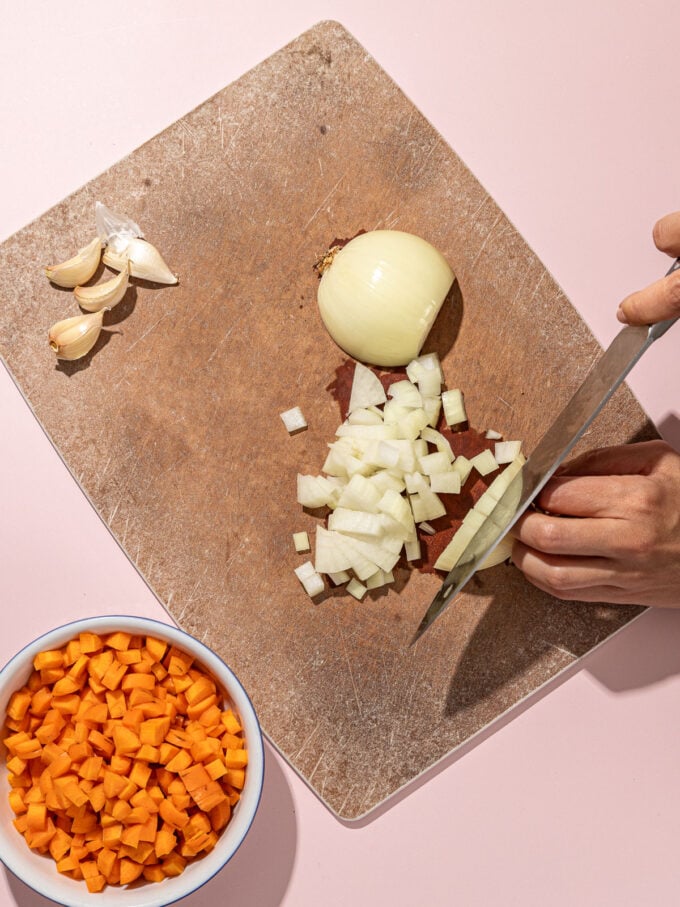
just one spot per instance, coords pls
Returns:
(380, 294)
(383, 476)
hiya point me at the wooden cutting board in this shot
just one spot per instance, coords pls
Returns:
(171, 426)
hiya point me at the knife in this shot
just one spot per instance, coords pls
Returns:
(603, 379)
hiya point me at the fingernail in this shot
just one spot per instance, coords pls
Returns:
(620, 314)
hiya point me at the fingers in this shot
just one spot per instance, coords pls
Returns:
(590, 496)
(657, 302)
(556, 535)
(666, 234)
(623, 459)
(564, 577)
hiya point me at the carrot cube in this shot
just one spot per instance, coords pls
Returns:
(118, 640)
(89, 642)
(129, 871)
(154, 730)
(236, 758)
(125, 740)
(51, 658)
(19, 703)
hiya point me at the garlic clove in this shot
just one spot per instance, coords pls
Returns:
(74, 337)
(78, 269)
(145, 260)
(103, 295)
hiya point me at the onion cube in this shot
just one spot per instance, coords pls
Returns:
(446, 482)
(506, 451)
(454, 407)
(484, 462)
(294, 420)
(357, 589)
(301, 541)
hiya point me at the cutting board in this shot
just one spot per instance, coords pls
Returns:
(171, 425)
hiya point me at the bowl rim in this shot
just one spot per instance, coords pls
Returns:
(213, 862)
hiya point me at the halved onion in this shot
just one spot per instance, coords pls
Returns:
(380, 294)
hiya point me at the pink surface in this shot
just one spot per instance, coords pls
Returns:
(564, 112)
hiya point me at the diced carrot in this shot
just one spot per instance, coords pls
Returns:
(173, 816)
(41, 700)
(118, 640)
(194, 776)
(140, 774)
(178, 662)
(97, 713)
(115, 702)
(174, 864)
(153, 873)
(231, 722)
(111, 835)
(78, 670)
(90, 768)
(106, 859)
(216, 769)
(125, 740)
(120, 764)
(36, 816)
(220, 815)
(148, 753)
(68, 704)
(121, 759)
(236, 777)
(138, 680)
(198, 709)
(19, 703)
(129, 871)
(51, 658)
(154, 730)
(89, 642)
(180, 761)
(16, 765)
(101, 743)
(113, 675)
(236, 758)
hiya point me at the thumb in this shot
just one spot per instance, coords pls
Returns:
(658, 301)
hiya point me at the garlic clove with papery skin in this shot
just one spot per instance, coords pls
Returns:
(145, 260)
(78, 269)
(103, 295)
(74, 337)
(380, 293)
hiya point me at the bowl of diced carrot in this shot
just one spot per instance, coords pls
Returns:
(131, 763)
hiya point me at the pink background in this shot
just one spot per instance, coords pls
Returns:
(565, 112)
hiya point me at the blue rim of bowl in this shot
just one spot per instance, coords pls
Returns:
(103, 618)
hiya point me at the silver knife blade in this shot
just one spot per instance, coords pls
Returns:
(604, 378)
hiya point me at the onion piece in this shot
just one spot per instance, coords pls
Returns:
(380, 294)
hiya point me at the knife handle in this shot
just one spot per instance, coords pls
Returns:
(659, 329)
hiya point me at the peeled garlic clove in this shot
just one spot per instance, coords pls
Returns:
(145, 261)
(103, 295)
(74, 337)
(380, 294)
(78, 269)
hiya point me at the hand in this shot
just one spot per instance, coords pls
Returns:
(661, 299)
(622, 543)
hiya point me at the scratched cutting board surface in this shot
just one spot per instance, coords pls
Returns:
(171, 426)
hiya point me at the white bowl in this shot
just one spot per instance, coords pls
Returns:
(39, 871)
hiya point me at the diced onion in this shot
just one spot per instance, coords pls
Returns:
(294, 420)
(383, 477)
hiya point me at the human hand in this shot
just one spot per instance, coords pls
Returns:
(622, 543)
(661, 299)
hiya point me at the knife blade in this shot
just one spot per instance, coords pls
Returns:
(604, 378)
